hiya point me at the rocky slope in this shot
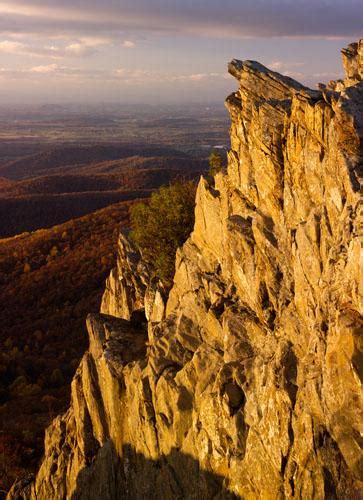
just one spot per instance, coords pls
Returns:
(247, 381)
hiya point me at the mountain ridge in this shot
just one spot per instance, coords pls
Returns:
(252, 366)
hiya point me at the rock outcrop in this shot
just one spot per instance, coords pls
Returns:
(125, 287)
(246, 383)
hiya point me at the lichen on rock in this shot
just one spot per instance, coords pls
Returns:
(246, 382)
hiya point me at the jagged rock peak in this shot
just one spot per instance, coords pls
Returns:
(353, 61)
(268, 82)
(126, 285)
(246, 383)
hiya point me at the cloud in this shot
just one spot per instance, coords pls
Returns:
(22, 49)
(212, 18)
(50, 68)
(85, 46)
(137, 77)
(128, 44)
(142, 76)
(202, 77)
(81, 41)
(128, 78)
(11, 47)
(325, 76)
(78, 49)
(66, 47)
(281, 65)
(197, 77)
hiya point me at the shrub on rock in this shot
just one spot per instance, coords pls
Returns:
(160, 226)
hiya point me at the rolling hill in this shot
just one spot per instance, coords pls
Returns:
(46, 189)
(67, 157)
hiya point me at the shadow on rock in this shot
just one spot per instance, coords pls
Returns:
(175, 476)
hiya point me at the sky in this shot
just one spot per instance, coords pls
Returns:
(169, 51)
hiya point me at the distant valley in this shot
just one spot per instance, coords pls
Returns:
(48, 176)
(51, 187)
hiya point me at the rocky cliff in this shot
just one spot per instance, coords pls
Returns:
(246, 382)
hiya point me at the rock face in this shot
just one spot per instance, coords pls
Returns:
(249, 384)
(353, 61)
(126, 285)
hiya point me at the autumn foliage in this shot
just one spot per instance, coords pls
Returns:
(49, 281)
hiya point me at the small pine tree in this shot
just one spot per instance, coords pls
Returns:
(163, 224)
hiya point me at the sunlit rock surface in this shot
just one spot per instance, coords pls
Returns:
(126, 285)
(247, 382)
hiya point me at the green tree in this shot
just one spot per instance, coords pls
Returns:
(163, 224)
(215, 163)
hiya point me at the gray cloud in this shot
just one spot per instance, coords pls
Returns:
(89, 49)
(230, 18)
